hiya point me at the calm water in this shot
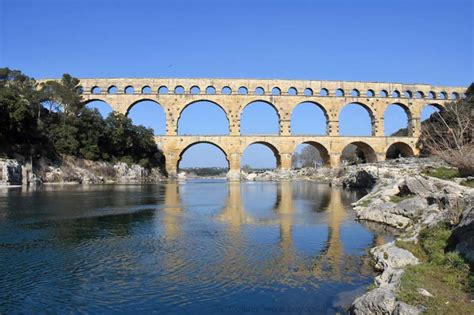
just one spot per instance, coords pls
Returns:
(200, 247)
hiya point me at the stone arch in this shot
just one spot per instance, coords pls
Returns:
(320, 106)
(179, 89)
(355, 93)
(146, 89)
(203, 100)
(129, 89)
(143, 100)
(96, 90)
(367, 108)
(292, 91)
(112, 89)
(195, 89)
(181, 153)
(323, 151)
(243, 90)
(261, 101)
(104, 109)
(163, 90)
(398, 149)
(159, 127)
(436, 106)
(270, 146)
(408, 113)
(369, 155)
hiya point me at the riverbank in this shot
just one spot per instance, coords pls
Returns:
(425, 270)
(75, 171)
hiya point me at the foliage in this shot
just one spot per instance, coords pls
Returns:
(206, 171)
(397, 199)
(308, 157)
(449, 134)
(52, 120)
(443, 274)
(442, 172)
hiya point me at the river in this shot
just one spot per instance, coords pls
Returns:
(196, 247)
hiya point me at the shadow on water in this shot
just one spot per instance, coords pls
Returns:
(198, 247)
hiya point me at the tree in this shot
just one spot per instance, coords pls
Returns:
(449, 134)
(308, 157)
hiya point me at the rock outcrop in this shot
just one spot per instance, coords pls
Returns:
(361, 180)
(414, 201)
(10, 172)
(462, 238)
(382, 300)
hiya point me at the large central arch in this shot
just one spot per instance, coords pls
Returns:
(322, 150)
(367, 152)
(256, 102)
(367, 109)
(183, 151)
(270, 146)
(405, 129)
(315, 106)
(208, 121)
(155, 119)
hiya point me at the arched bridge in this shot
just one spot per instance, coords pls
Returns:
(233, 95)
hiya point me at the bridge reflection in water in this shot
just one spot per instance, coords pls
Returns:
(294, 205)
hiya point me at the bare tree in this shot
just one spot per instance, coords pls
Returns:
(308, 157)
(449, 134)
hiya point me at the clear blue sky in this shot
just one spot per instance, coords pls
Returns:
(397, 41)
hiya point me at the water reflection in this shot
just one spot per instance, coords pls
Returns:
(180, 247)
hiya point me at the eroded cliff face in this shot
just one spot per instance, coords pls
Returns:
(10, 172)
(78, 171)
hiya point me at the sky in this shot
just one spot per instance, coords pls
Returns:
(392, 41)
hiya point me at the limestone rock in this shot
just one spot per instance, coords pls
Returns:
(359, 180)
(10, 172)
(424, 292)
(389, 255)
(406, 309)
(462, 238)
(378, 301)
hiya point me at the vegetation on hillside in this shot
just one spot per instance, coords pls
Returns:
(51, 120)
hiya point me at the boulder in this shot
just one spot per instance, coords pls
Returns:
(359, 181)
(10, 172)
(378, 301)
(391, 256)
(406, 309)
(385, 213)
(462, 238)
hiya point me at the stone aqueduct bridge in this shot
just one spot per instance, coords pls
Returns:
(233, 95)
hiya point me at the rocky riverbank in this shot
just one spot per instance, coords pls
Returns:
(75, 171)
(411, 202)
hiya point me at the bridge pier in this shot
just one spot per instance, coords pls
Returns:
(285, 161)
(335, 160)
(234, 167)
